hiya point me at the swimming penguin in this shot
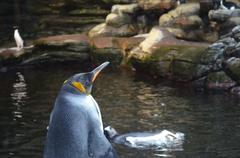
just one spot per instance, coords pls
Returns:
(18, 38)
(144, 140)
(75, 127)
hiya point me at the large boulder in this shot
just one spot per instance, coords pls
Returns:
(74, 42)
(226, 19)
(160, 5)
(185, 23)
(153, 38)
(222, 15)
(62, 48)
(183, 10)
(162, 55)
(117, 20)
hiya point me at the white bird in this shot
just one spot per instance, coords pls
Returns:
(18, 39)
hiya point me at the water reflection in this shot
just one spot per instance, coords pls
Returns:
(19, 95)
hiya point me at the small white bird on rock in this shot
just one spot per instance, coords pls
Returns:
(18, 38)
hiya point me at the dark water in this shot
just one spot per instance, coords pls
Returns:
(209, 121)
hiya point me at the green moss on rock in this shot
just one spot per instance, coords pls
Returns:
(178, 62)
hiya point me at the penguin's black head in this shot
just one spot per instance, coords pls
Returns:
(15, 27)
(83, 81)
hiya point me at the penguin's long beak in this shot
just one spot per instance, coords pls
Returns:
(97, 70)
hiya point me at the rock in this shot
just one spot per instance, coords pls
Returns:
(117, 20)
(112, 49)
(183, 10)
(91, 11)
(13, 56)
(236, 33)
(184, 22)
(219, 81)
(227, 26)
(10, 52)
(127, 9)
(105, 30)
(222, 15)
(74, 43)
(119, 1)
(57, 49)
(189, 22)
(55, 57)
(194, 35)
(232, 68)
(233, 50)
(226, 19)
(214, 56)
(162, 55)
(217, 52)
(119, 23)
(154, 37)
(160, 5)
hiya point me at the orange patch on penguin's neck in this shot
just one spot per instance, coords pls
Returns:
(79, 86)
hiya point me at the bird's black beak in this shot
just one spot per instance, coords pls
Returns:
(97, 70)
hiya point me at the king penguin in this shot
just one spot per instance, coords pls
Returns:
(75, 127)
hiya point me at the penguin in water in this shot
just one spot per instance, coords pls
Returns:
(144, 140)
(75, 127)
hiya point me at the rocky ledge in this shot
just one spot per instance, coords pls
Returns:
(176, 47)
(159, 54)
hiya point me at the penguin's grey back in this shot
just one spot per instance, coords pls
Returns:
(75, 129)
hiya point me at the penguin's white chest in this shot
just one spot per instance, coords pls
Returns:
(18, 39)
(95, 108)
